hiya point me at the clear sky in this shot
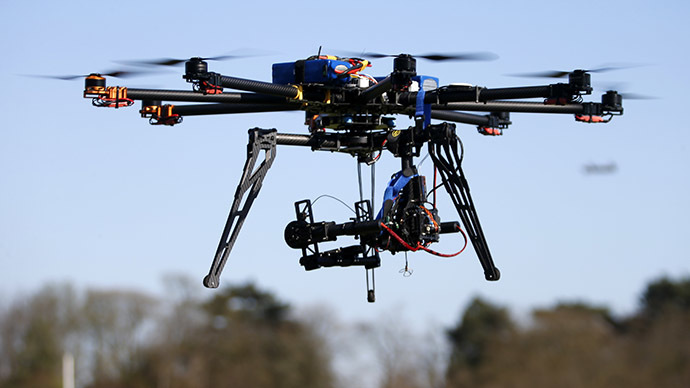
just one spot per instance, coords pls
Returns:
(100, 198)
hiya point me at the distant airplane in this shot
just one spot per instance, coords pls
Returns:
(600, 169)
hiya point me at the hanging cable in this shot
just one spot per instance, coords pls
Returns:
(373, 184)
(434, 190)
(359, 180)
(335, 198)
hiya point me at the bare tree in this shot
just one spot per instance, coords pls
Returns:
(115, 323)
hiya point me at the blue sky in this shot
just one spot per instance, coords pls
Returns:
(100, 198)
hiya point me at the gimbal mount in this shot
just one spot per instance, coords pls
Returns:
(404, 223)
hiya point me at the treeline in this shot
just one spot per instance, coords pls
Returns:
(576, 345)
(240, 337)
(247, 337)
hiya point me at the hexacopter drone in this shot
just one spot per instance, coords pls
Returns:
(352, 112)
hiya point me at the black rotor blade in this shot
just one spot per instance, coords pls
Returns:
(477, 56)
(542, 74)
(116, 74)
(60, 77)
(635, 96)
(605, 69)
(617, 87)
(124, 73)
(474, 56)
(366, 54)
(563, 73)
(155, 62)
(177, 61)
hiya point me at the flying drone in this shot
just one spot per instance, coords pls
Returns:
(347, 110)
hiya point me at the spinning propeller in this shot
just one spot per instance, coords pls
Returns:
(470, 56)
(626, 95)
(564, 73)
(177, 61)
(116, 74)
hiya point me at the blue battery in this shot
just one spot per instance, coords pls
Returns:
(316, 71)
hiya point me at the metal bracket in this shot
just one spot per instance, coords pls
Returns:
(250, 184)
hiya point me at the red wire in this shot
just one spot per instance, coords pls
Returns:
(446, 254)
(420, 246)
(400, 240)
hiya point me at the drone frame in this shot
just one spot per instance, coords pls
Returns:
(349, 112)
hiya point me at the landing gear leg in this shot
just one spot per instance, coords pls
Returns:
(248, 189)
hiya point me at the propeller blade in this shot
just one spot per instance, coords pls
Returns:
(124, 73)
(60, 77)
(635, 96)
(177, 61)
(626, 96)
(474, 56)
(366, 54)
(155, 62)
(477, 56)
(542, 74)
(605, 69)
(116, 74)
(563, 73)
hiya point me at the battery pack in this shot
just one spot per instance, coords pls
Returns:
(315, 71)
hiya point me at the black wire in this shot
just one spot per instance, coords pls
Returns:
(434, 189)
(335, 198)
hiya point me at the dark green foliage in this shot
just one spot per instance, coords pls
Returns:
(247, 337)
(664, 295)
(247, 303)
(244, 338)
(577, 345)
(481, 324)
(241, 336)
